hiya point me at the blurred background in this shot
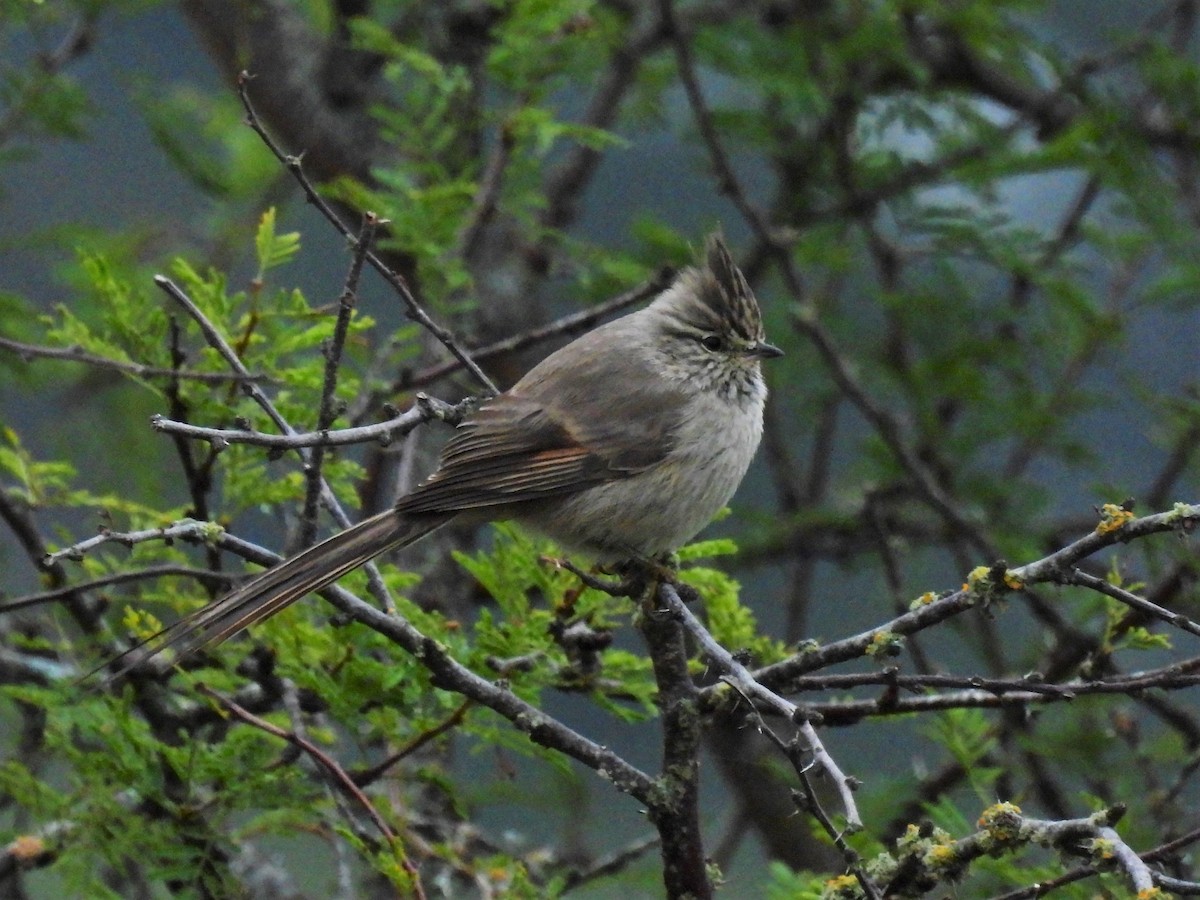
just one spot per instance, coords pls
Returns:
(988, 209)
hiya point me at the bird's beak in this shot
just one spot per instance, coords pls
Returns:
(763, 350)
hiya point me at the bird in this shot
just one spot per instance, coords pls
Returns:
(621, 445)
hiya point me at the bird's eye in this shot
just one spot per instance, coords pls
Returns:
(712, 342)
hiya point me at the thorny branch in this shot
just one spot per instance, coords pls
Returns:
(415, 311)
(1052, 569)
(806, 752)
(217, 341)
(448, 673)
(327, 411)
(342, 778)
(950, 61)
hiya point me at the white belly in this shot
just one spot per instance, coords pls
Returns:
(664, 507)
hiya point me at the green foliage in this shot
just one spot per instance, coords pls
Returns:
(273, 249)
(786, 884)
(205, 138)
(35, 481)
(536, 602)
(116, 766)
(428, 193)
(731, 622)
(988, 232)
(38, 102)
(968, 736)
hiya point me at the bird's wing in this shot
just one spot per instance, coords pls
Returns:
(539, 440)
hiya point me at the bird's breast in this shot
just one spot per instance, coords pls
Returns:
(663, 507)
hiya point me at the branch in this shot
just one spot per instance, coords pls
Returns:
(377, 771)
(615, 862)
(414, 310)
(1130, 599)
(881, 420)
(936, 858)
(738, 676)
(426, 409)
(218, 579)
(327, 411)
(676, 814)
(1181, 520)
(448, 673)
(185, 530)
(138, 370)
(727, 181)
(565, 185)
(331, 766)
(1053, 568)
(953, 62)
(217, 341)
(836, 713)
(483, 208)
(572, 324)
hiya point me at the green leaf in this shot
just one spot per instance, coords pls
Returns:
(273, 249)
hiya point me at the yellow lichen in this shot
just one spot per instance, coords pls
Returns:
(1113, 518)
(1002, 821)
(940, 855)
(843, 887)
(977, 578)
(911, 834)
(924, 600)
(884, 643)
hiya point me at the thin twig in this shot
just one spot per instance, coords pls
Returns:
(426, 409)
(737, 675)
(138, 370)
(1130, 599)
(414, 310)
(163, 571)
(727, 181)
(487, 195)
(613, 863)
(843, 713)
(197, 473)
(572, 324)
(184, 530)
(331, 766)
(367, 776)
(217, 341)
(886, 426)
(1165, 676)
(327, 411)
(567, 181)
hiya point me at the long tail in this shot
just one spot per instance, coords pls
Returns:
(279, 587)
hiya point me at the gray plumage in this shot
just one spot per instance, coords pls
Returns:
(623, 444)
